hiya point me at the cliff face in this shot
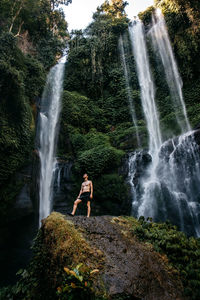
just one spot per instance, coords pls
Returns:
(99, 258)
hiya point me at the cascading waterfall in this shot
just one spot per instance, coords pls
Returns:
(130, 98)
(137, 162)
(179, 177)
(137, 36)
(162, 45)
(49, 121)
(132, 167)
(146, 83)
(169, 186)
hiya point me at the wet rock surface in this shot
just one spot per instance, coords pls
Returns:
(132, 269)
(197, 134)
(62, 186)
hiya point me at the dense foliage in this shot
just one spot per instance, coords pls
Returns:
(95, 108)
(182, 252)
(96, 129)
(32, 36)
(97, 102)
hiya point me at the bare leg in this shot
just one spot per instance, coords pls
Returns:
(75, 206)
(89, 209)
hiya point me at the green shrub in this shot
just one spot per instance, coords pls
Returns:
(35, 77)
(111, 195)
(77, 284)
(183, 252)
(81, 112)
(90, 140)
(98, 160)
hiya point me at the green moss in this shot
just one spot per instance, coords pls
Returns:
(58, 245)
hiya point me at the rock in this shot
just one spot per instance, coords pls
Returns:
(23, 205)
(25, 44)
(131, 268)
(62, 186)
(197, 135)
(127, 268)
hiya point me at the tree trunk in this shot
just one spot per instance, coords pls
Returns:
(20, 27)
(16, 15)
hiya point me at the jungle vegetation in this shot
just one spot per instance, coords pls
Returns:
(96, 131)
(32, 37)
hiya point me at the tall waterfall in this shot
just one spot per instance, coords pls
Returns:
(146, 85)
(130, 98)
(161, 42)
(49, 123)
(167, 186)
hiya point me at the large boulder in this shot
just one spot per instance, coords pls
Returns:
(120, 266)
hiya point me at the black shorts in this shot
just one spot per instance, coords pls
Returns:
(85, 197)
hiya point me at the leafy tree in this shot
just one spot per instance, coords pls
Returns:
(56, 3)
(114, 8)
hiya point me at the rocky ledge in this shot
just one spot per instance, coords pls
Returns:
(127, 268)
(130, 268)
(105, 257)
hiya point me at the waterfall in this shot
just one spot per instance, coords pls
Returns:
(175, 194)
(137, 36)
(168, 187)
(49, 123)
(137, 162)
(130, 98)
(57, 173)
(132, 167)
(162, 45)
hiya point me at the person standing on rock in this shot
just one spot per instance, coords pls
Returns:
(85, 195)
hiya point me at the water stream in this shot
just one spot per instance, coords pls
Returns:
(146, 86)
(130, 98)
(162, 45)
(49, 124)
(168, 187)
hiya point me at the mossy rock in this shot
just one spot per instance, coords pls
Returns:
(116, 265)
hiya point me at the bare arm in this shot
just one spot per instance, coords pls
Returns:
(91, 190)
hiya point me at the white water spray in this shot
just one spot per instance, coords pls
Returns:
(146, 86)
(150, 111)
(49, 123)
(162, 45)
(130, 98)
(169, 188)
(132, 167)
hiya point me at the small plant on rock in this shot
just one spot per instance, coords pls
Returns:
(77, 284)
